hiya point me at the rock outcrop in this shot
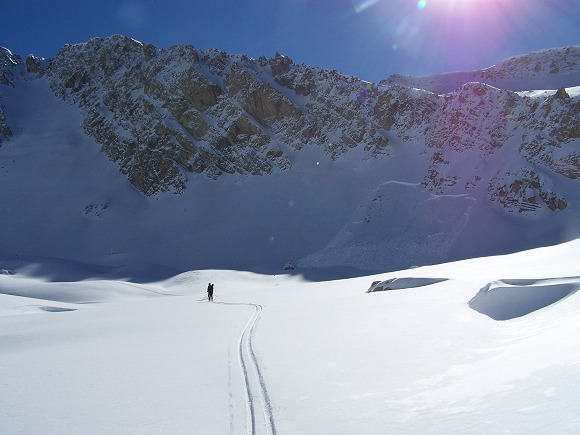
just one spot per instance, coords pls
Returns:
(5, 131)
(8, 65)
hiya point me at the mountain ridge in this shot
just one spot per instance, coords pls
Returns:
(166, 118)
(552, 68)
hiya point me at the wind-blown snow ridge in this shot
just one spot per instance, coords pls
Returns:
(508, 299)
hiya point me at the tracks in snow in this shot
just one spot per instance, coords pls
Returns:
(259, 417)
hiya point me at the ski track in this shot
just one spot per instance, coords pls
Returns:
(259, 419)
(259, 416)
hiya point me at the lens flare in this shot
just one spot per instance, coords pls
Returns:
(421, 4)
(361, 5)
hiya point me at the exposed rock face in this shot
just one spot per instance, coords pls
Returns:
(5, 131)
(163, 115)
(34, 65)
(479, 124)
(8, 62)
(525, 191)
(407, 112)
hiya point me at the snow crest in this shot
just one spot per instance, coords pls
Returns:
(509, 299)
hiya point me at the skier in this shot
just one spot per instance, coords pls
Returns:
(210, 292)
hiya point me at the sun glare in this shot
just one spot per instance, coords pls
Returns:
(449, 4)
(455, 33)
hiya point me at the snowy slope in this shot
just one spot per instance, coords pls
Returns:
(280, 354)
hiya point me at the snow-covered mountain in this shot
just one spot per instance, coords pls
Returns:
(116, 152)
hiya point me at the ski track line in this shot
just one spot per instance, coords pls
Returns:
(259, 419)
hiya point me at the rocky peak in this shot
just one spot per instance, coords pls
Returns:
(35, 65)
(280, 64)
(9, 63)
(561, 94)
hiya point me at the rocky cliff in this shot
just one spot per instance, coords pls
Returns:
(499, 142)
(164, 115)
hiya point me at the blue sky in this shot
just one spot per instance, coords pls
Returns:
(370, 39)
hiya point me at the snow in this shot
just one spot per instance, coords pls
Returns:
(504, 300)
(368, 244)
(573, 92)
(85, 351)
(105, 326)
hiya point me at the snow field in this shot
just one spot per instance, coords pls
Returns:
(280, 354)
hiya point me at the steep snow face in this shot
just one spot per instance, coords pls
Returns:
(401, 225)
(248, 164)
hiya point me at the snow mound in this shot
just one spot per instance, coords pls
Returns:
(80, 292)
(508, 299)
(403, 283)
(45, 308)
